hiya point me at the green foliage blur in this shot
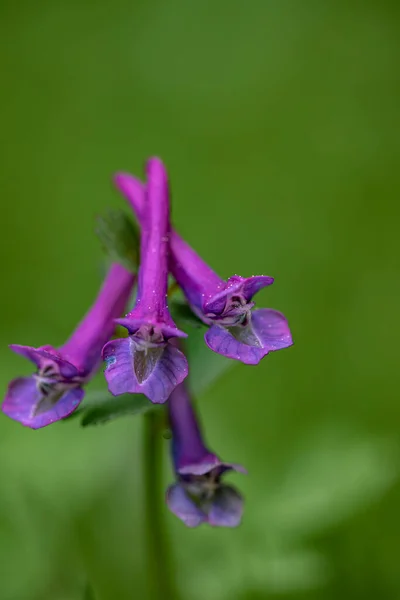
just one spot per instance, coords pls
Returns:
(279, 124)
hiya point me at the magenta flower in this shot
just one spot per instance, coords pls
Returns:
(199, 496)
(56, 389)
(235, 329)
(147, 361)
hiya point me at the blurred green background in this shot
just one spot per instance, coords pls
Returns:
(279, 123)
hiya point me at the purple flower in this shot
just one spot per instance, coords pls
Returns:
(55, 390)
(199, 496)
(235, 329)
(147, 361)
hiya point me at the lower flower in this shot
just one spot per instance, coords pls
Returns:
(199, 494)
(197, 499)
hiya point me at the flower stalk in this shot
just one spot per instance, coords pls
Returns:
(159, 570)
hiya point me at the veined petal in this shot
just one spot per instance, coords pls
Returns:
(168, 368)
(40, 356)
(271, 328)
(266, 332)
(226, 508)
(23, 403)
(181, 505)
(119, 371)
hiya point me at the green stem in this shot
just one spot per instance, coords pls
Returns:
(160, 580)
(89, 593)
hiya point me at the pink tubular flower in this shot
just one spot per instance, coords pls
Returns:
(199, 495)
(56, 389)
(147, 362)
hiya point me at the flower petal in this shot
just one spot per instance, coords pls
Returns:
(246, 287)
(27, 352)
(22, 403)
(119, 371)
(267, 331)
(252, 285)
(216, 303)
(40, 356)
(180, 504)
(167, 370)
(226, 508)
(271, 328)
(133, 324)
(207, 463)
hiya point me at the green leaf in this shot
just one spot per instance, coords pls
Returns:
(108, 407)
(119, 237)
(88, 593)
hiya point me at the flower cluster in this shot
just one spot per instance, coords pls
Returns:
(150, 360)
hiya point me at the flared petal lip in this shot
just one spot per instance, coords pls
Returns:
(192, 515)
(220, 517)
(22, 397)
(201, 466)
(252, 285)
(271, 328)
(183, 507)
(230, 289)
(208, 463)
(237, 284)
(39, 356)
(169, 372)
(133, 325)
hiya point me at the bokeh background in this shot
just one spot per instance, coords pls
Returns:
(279, 123)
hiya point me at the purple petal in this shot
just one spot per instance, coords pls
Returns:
(39, 356)
(252, 285)
(180, 504)
(22, 403)
(168, 370)
(27, 352)
(227, 507)
(267, 331)
(272, 329)
(233, 467)
(133, 324)
(236, 285)
(119, 366)
(208, 462)
(217, 302)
